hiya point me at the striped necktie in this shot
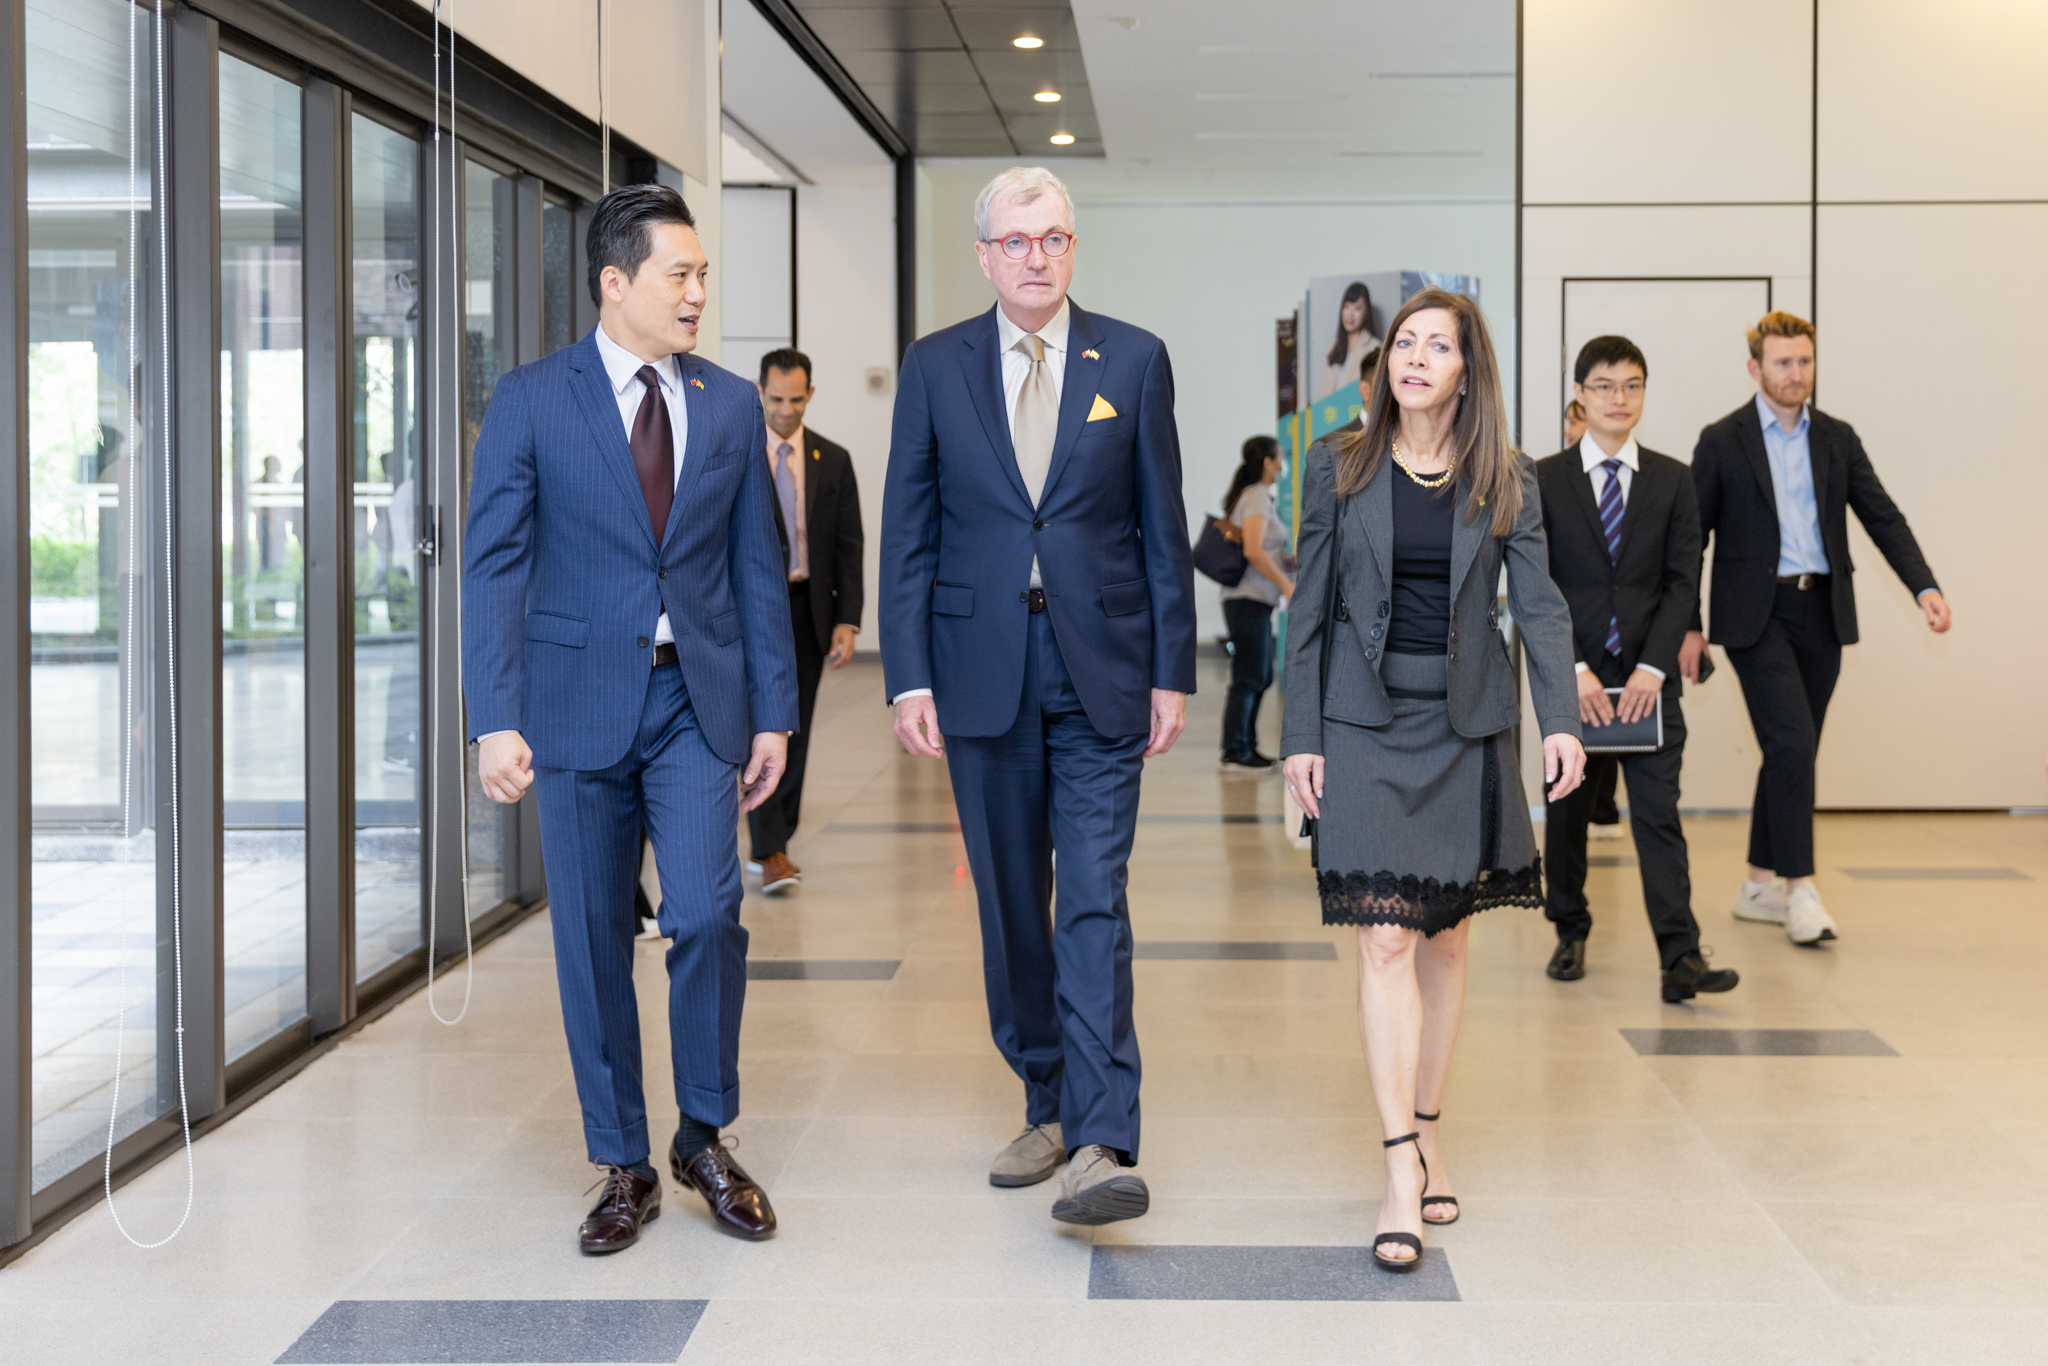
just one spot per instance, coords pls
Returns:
(1611, 510)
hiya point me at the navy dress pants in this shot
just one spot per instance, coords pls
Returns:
(1058, 967)
(687, 799)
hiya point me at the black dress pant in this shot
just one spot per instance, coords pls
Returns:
(1653, 820)
(770, 824)
(1788, 678)
(1251, 671)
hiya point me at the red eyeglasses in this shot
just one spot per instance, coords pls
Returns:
(1017, 246)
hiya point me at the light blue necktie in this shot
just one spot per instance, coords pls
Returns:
(1610, 522)
(785, 493)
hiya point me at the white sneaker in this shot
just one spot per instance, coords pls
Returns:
(1763, 902)
(1597, 831)
(1806, 920)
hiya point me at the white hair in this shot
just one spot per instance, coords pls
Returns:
(1019, 185)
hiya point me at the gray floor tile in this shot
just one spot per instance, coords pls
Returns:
(1209, 818)
(1139, 1272)
(893, 828)
(1250, 950)
(1759, 1043)
(822, 969)
(498, 1331)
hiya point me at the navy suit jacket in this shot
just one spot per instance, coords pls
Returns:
(563, 584)
(1110, 531)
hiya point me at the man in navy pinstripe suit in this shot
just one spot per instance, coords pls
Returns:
(1038, 632)
(625, 631)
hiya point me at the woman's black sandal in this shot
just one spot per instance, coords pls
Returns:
(1427, 1198)
(1402, 1239)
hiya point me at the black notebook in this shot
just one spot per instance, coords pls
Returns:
(1627, 737)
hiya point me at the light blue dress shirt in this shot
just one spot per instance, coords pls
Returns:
(1799, 545)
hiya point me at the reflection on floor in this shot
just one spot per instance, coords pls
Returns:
(1844, 1160)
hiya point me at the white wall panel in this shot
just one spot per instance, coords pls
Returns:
(1666, 101)
(846, 324)
(1734, 241)
(1930, 346)
(1933, 101)
(552, 43)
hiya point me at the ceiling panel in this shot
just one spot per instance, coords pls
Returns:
(949, 79)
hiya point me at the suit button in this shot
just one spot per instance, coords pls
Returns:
(661, 573)
(1454, 656)
(1383, 609)
(1038, 526)
(641, 642)
(1378, 631)
(1372, 652)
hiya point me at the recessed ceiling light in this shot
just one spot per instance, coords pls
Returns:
(1027, 42)
(1062, 139)
(1047, 97)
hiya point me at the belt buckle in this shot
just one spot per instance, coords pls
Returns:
(1806, 582)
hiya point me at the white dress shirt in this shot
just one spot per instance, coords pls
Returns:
(1016, 367)
(622, 368)
(1590, 459)
(799, 544)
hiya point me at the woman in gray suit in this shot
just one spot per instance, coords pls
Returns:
(1398, 734)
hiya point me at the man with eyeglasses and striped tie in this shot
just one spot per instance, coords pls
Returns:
(1038, 632)
(1624, 528)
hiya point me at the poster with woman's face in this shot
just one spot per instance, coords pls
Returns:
(1347, 314)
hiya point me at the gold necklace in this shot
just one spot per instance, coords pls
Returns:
(1438, 482)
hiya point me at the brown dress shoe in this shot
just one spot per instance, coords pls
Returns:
(778, 874)
(738, 1206)
(629, 1200)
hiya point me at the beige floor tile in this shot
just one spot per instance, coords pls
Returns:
(1582, 1159)
(1804, 1090)
(1913, 1159)
(954, 1249)
(836, 1332)
(198, 1333)
(1669, 1334)
(944, 1157)
(1945, 1255)
(1183, 1333)
(977, 1084)
(1949, 1334)
(1335, 1159)
(1620, 1251)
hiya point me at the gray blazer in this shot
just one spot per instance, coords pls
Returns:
(1484, 698)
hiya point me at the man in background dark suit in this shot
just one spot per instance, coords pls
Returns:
(1775, 479)
(1625, 551)
(817, 519)
(1038, 631)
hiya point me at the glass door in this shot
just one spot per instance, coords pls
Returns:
(263, 559)
(98, 535)
(386, 434)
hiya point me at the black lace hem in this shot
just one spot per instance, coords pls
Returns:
(1425, 904)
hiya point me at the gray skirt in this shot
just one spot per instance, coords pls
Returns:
(1421, 826)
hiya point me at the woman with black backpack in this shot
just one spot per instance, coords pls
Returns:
(1248, 604)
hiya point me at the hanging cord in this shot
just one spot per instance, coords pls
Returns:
(454, 322)
(160, 198)
(604, 90)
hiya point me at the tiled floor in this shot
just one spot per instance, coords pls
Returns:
(1761, 1196)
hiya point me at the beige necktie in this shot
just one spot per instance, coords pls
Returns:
(1037, 419)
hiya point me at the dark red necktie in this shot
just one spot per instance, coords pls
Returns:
(654, 452)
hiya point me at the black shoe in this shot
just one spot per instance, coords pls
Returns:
(1253, 762)
(630, 1200)
(1690, 975)
(1568, 964)
(1407, 1240)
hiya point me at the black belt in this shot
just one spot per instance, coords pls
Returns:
(664, 653)
(1034, 599)
(1803, 582)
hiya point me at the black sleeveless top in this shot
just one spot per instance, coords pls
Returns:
(1420, 622)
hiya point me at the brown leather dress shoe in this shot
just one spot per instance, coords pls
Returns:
(738, 1206)
(778, 874)
(629, 1200)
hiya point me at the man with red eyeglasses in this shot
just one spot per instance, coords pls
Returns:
(1038, 632)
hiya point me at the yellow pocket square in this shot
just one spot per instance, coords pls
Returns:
(1100, 410)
